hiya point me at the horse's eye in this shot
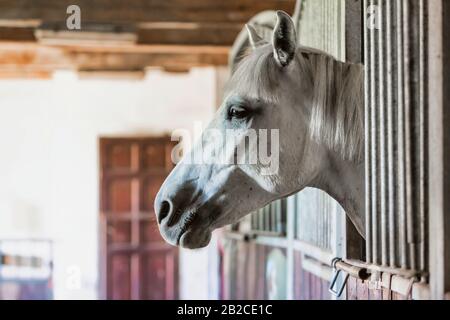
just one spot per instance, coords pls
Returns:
(238, 112)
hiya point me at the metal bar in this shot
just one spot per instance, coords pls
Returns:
(248, 236)
(368, 151)
(374, 139)
(317, 268)
(383, 135)
(290, 235)
(401, 192)
(313, 251)
(423, 134)
(297, 13)
(327, 222)
(273, 211)
(299, 218)
(375, 268)
(408, 54)
(236, 236)
(253, 221)
(267, 214)
(277, 220)
(273, 218)
(320, 222)
(414, 126)
(391, 87)
(283, 217)
(261, 219)
(271, 241)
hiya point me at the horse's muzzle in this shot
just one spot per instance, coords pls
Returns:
(175, 223)
(166, 216)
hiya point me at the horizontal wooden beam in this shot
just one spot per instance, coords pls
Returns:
(138, 61)
(16, 34)
(26, 74)
(135, 75)
(135, 11)
(126, 48)
(31, 58)
(161, 49)
(222, 34)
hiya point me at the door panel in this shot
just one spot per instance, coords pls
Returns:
(119, 232)
(136, 261)
(158, 280)
(149, 232)
(119, 196)
(119, 156)
(150, 188)
(119, 286)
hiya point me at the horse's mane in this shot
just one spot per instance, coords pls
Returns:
(337, 117)
(337, 112)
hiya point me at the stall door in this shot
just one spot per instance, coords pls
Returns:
(136, 263)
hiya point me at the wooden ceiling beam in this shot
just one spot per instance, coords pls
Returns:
(146, 37)
(17, 34)
(122, 36)
(137, 11)
(134, 75)
(23, 59)
(41, 74)
(147, 34)
(123, 48)
(189, 34)
(132, 61)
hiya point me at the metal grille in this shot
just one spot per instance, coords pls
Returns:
(315, 212)
(270, 219)
(396, 133)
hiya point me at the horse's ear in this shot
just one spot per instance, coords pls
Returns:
(284, 39)
(254, 39)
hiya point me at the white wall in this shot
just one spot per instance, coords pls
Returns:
(49, 159)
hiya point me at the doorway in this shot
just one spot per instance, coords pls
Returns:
(135, 262)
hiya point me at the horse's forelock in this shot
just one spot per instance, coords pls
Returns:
(257, 75)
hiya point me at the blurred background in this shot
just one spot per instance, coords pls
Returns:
(89, 95)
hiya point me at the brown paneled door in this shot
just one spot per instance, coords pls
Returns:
(136, 263)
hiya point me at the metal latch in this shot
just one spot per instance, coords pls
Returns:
(336, 272)
(349, 270)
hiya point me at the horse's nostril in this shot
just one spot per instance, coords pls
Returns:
(164, 211)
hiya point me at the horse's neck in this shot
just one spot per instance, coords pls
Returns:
(344, 181)
(340, 178)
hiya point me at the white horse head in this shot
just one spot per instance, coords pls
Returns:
(292, 118)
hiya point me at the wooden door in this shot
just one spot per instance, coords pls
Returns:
(136, 263)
